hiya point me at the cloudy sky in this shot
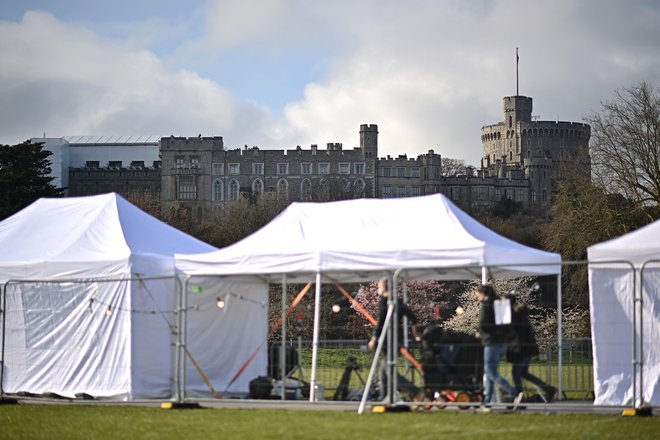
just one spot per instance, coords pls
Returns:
(281, 73)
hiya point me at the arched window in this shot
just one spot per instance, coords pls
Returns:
(218, 195)
(233, 190)
(305, 190)
(510, 121)
(283, 189)
(324, 189)
(358, 188)
(258, 186)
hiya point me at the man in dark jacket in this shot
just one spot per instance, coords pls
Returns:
(520, 353)
(403, 310)
(495, 337)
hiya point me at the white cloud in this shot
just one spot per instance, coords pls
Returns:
(432, 73)
(429, 73)
(64, 80)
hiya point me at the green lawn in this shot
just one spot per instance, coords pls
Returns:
(132, 422)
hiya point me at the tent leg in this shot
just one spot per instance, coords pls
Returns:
(283, 347)
(560, 337)
(374, 363)
(315, 338)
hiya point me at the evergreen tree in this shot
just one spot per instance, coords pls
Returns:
(24, 177)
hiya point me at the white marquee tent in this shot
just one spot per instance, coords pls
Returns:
(361, 240)
(624, 293)
(89, 290)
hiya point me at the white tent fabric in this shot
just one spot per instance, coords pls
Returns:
(361, 240)
(357, 240)
(621, 272)
(90, 297)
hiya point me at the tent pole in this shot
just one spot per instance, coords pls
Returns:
(484, 275)
(560, 347)
(283, 346)
(374, 362)
(178, 354)
(2, 358)
(183, 342)
(315, 337)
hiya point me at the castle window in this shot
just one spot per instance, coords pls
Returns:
(194, 162)
(482, 193)
(233, 168)
(387, 191)
(386, 171)
(358, 168)
(217, 191)
(519, 195)
(233, 190)
(544, 196)
(306, 190)
(344, 168)
(414, 172)
(414, 190)
(258, 186)
(401, 172)
(533, 194)
(400, 191)
(282, 168)
(455, 193)
(358, 188)
(324, 168)
(178, 162)
(283, 189)
(258, 169)
(305, 168)
(187, 188)
(509, 193)
(498, 193)
(510, 121)
(218, 169)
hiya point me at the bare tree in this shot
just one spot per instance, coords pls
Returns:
(452, 167)
(625, 144)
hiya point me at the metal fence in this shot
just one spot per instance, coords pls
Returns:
(340, 357)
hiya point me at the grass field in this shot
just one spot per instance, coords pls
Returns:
(133, 422)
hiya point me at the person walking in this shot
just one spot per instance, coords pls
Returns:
(524, 348)
(495, 337)
(403, 310)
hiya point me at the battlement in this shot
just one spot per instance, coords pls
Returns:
(192, 143)
(369, 127)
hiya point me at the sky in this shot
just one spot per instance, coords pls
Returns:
(282, 73)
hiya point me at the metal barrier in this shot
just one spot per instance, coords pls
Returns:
(335, 356)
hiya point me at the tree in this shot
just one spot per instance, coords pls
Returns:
(584, 213)
(452, 167)
(625, 144)
(24, 177)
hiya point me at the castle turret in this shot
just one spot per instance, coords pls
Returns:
(517, 109)
(369, 140)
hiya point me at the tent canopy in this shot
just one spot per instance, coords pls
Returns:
(91, 303)
(624, 313)
(358, 240)
(635, 247)
(86, 236)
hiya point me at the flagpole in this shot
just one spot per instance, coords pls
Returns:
(517, 58)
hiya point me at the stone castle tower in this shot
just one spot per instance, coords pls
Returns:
(540, 149)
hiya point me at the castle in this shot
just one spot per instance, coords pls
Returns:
(522, 159)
